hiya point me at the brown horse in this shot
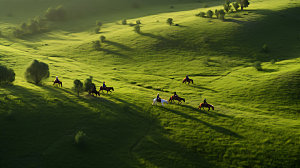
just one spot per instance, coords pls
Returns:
(108, 89)
(58, 82)
(179, 99)
(189, 80)
(202, 105)
(94, 92)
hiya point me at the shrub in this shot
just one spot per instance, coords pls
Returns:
(217, 13)
(78, 86)
(243, 3)
(222, 14)
(227, 7)
(209, 13)
(137, 29)
(97, 30)
(102, 39)
(236, 5)
(88, 84)
(124, 22)
(36, 72)
(97, 45)
(170, 21)
(202, 14)
(98, 23)
(80, 138)
(273, 61)
(257, 65)
(138, 22)
(265, 48)
(56, 14)
(35, 26)
(7, 75)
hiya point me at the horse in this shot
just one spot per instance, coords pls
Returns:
(179, 99)
(162, 101)
(58, 82)
(108, 89)
(94, 92)
(189, 80)
(202, 105)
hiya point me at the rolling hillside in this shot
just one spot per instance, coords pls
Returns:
(256, 119)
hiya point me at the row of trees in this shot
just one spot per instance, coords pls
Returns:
(40, 24)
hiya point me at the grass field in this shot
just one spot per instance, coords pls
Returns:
(256, 121)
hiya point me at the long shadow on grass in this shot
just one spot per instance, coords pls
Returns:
(107, 51)
(214, 127)
(209, 113)
(119, 45)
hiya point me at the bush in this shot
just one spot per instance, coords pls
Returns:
(124, 22)
(102, 39)
(265, 48)
(201, 14)
(227, 7)
(97, 45)
(98, 23)
(273, 61)
(56, 14)
(7, 75)
(209, 13)
(97, 30)
(78, 86)
(221, 14)
(35, 26)
(137, 29)
(138, 22)
(88, 84)
(36, 72)
(257, 65)
(80, 138)
(243, 3)
(170, 21)
(236, 5)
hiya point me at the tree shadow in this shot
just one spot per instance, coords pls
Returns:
(234, 21)
(119, 45)
(111, 52)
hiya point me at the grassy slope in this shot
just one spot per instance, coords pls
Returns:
(256, 121)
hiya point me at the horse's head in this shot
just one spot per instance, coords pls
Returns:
(112, 88)
(212, 107)
(183, 99)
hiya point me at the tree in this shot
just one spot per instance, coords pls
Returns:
(217, 13)
(102, 39)
(209, 13)
(236, 5)
(243, 3)
(170, 21)
(227, 7)
(98, 23)
(138, 22)
(7, 75)
(97, 30)
(97, 45)
(137, 29)
(124, 22)
(56, 14)
(80, 138)
(36, 72)
(257, 65)
(88, 84)
(78, 86)
(222, 14)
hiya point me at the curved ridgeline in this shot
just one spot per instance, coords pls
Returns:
(246, 66)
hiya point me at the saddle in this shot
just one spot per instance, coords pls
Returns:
(159, 100)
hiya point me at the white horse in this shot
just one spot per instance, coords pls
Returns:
(162, 101)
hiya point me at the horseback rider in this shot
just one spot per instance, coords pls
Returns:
(187, 78)
(104, 86)
(56, 79)
(175, 96)
(204, 101)
(158, 98)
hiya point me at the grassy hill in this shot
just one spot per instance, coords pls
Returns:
(256, 118)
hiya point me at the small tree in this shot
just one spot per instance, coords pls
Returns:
(236, 5)
(36, 72)
(209, 13)
(243, 3)
(97, 30)
(97, 45)
(124, 22)
(56, 14)
(138, 22)
(137, 29)
(98, 23)
(102, 39)
(217, 13)
(227, 7)
(170, 21)
(202, 14)
(257, 65)
(222, 14)
(88, 84)
(78, 86)
(7, 75)
(80, 138)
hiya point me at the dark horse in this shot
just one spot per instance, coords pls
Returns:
(94, 92)
(189, 80)
(58, 82)
(179, 99)
(108, 89)
(202, 105)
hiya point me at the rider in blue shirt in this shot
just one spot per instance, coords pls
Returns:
(187, 78)
(158, 98)
(104, 86)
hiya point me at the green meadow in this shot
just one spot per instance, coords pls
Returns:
(256, 120)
